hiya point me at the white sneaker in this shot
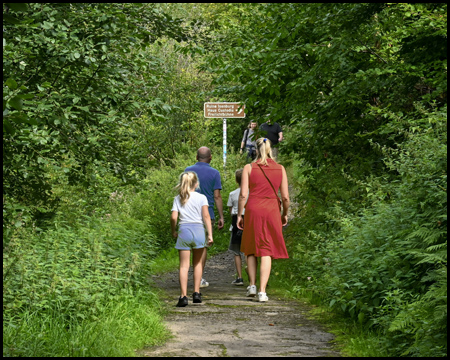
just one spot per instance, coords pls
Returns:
(204, 283)
(262, 297)
(251, 290)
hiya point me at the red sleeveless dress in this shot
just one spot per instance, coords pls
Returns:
(262, 235)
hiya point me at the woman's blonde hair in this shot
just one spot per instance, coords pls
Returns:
(187, 183)
(263, 151)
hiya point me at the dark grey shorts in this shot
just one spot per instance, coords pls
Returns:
(236, 235)
(235, 248)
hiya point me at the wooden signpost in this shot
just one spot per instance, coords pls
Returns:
(224, 110)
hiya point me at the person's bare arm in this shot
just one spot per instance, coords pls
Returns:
(219, 205)
(207, 222)
(243, 194)
(173, 223)
(284, 189)
(280, 136)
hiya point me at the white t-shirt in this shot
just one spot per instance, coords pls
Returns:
(191, 212)
(233, 200)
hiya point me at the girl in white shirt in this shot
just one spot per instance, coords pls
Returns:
(192, 207)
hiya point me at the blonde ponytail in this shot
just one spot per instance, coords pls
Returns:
(263, 151)
(187, 183)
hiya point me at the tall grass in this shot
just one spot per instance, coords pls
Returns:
(80, 287)
(123, 325)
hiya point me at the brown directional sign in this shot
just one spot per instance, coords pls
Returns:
(224, 110)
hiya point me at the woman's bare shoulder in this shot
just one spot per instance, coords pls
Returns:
(248, 168)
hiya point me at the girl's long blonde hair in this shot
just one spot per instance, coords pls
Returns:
(187, 183)
(263, 151)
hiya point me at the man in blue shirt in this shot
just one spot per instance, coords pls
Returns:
(210, 186)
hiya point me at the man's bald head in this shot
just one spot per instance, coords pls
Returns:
(204, 154)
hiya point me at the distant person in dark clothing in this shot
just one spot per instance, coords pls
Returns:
(273, 133)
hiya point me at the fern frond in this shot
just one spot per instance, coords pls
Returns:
(437, 258)
(428, 236)
(404, 320)
(437, 247)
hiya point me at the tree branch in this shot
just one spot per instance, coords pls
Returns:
(93, 75)
(370, 49)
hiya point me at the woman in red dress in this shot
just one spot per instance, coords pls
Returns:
(262, 235)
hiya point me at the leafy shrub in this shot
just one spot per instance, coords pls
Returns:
(384, 265)
(78, 269)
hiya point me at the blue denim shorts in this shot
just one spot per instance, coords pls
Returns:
(191, 236)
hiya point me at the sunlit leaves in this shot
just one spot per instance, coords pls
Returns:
(77, 72)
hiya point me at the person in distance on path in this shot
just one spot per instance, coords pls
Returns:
(273, 133)
(247, 142)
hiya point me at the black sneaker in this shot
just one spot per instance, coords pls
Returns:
(238, 281)
(197, 297)
(182, 301)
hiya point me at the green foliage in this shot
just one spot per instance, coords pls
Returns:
(77, 76)
(68, 286)
(123, 325)
(322, 68)
(102, 110)
(425, 319)
(361, 92)
(76, 268)
(380, 265)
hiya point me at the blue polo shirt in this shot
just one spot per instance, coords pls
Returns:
(209, 179)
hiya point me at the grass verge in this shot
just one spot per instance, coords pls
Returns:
(125, 324)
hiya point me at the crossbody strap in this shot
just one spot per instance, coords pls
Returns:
(268, 181)
(246, 137)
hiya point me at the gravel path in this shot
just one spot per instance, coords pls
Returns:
(227, 323)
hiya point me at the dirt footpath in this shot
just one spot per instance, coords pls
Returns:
(227, 323)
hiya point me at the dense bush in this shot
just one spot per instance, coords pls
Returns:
(68, 276)
(385, 265)
(129, 323)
